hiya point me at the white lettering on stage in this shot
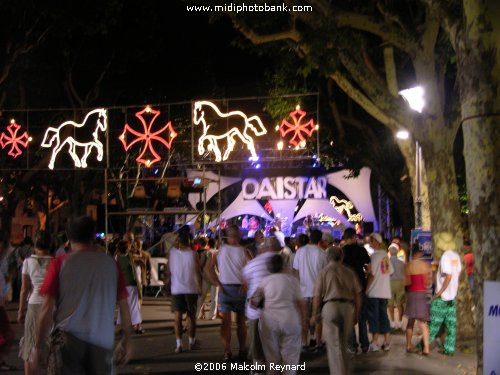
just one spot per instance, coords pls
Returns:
(280, 188)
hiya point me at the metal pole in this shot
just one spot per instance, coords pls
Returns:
(204, 203)
(106, 198)
(418, 198)
(106, 208)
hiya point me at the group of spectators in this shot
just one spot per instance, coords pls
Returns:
(289, 295)
(309, 297)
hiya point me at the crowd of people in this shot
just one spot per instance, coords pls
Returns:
(290, 296)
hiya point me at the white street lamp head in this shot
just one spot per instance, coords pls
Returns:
(402, 134)
(415, 98)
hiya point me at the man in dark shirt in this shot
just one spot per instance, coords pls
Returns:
(356, 257)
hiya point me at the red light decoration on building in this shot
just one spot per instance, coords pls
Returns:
(148, 137)
(14, 140)
(298, 129)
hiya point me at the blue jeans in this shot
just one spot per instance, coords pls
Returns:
(364, 343)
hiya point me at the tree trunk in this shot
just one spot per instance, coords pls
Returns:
(445, 218)
(479, 77)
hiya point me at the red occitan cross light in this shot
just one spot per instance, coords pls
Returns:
(298, 129)
(14, 140)
(147, 136)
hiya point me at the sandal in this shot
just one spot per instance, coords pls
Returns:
(412, 350)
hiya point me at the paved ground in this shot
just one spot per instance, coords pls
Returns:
(153, 352)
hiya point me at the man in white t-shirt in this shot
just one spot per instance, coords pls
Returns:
(184, 274)
(443, 307)
(253, 273)
(230, 261)
(378, 291)
(308, 262)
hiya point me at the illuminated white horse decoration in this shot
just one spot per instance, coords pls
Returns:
(242, 125)
(342, 205)
(53, 135)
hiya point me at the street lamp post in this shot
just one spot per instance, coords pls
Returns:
(418, 181)
(415, 98)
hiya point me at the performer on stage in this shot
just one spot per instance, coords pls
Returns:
(253, 226)
(308, 223)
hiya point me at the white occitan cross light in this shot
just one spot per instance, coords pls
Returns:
(97, 117)
(213, 136)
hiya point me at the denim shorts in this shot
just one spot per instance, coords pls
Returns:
(378, 321)
(231, 299)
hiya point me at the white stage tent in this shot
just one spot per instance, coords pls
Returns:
(356, 190)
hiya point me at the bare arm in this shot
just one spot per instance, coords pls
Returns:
(446, 282)
(197, 271)
(369, 276)
(23, 298)
(211, 274)
(316, 305)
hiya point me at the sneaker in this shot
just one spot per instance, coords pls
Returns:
(178, 349)
(386, 347)
(374, 348)
(228, 356)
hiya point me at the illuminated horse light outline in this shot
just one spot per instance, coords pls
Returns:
(342, 205)
(53, 135)
(244, 123)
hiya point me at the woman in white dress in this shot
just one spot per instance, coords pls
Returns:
(283, 315)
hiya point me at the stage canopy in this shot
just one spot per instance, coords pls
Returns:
(291, 197)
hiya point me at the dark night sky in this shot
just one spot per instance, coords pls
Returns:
(161, 53)
(183, 56)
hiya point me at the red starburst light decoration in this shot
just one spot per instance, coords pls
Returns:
(14, 140)
(147, 136)
(297, 128)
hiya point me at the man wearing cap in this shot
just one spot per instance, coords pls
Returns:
(378, 291)
(443, 307)
(397, 286)
(356, 257)
(230, 261)
(253, 273)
